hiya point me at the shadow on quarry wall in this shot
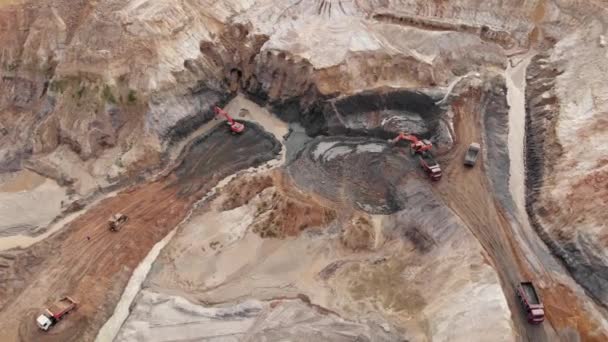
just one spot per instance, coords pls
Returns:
(495, 119)
(286, 84)
(189, 124)
(542, 147)
(380, 113)
(384, 112)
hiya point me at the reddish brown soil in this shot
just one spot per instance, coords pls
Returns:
(358, 234)
(581, 205)
(92, 264)
(93, 271)
(283, 210)
(467, 192)
(241, 190)
(561, 313)
(288, 212)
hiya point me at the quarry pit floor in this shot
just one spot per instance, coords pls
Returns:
(88, 262)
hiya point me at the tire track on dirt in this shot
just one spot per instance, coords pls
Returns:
(467, 193)
(92, 264)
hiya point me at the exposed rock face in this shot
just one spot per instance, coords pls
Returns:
(94, 94)
(568, 154)
(99, 88)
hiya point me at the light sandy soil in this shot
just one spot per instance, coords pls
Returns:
(516, 82)
(100, 266)
(24, 241)
(20, 181)
(245, 108)
(218, 260)
(241, 108)
(249, 320)
(177, 55)
(28, 203)
(9, 2)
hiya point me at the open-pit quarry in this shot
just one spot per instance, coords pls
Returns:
(310, 224)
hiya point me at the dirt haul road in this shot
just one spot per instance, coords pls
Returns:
(467, 192)
(93, 265)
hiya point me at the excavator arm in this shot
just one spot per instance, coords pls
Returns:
(220, 111)
(421, 148)
(416, 144)
(404, 136)
(235, 127)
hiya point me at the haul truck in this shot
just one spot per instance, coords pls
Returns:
(531, 302)
(421, 148)
(55, 313)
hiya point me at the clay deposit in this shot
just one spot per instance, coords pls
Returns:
(309, 225)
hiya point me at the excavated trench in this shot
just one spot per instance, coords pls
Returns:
(287, 84)
(379, 113)
(351, 156)
(346, 141)
(363, 173)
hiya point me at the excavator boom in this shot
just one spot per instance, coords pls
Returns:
(417, 145)
(235, 127)
(220, 111)
(421, 148)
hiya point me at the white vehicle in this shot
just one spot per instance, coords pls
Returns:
(472, 153)
(55, 313)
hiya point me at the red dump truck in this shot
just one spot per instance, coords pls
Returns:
(531, 302)
(55, 313)
(429, 165)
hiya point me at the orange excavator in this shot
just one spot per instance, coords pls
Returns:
(421, 148)
(235, 127)
(416, 145)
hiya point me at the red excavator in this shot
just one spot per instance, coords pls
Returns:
(422, 148)
(235, 127)
(416, 145)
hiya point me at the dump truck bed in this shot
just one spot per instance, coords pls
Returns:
(530, 293)
(428, 159)
(61, 306)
